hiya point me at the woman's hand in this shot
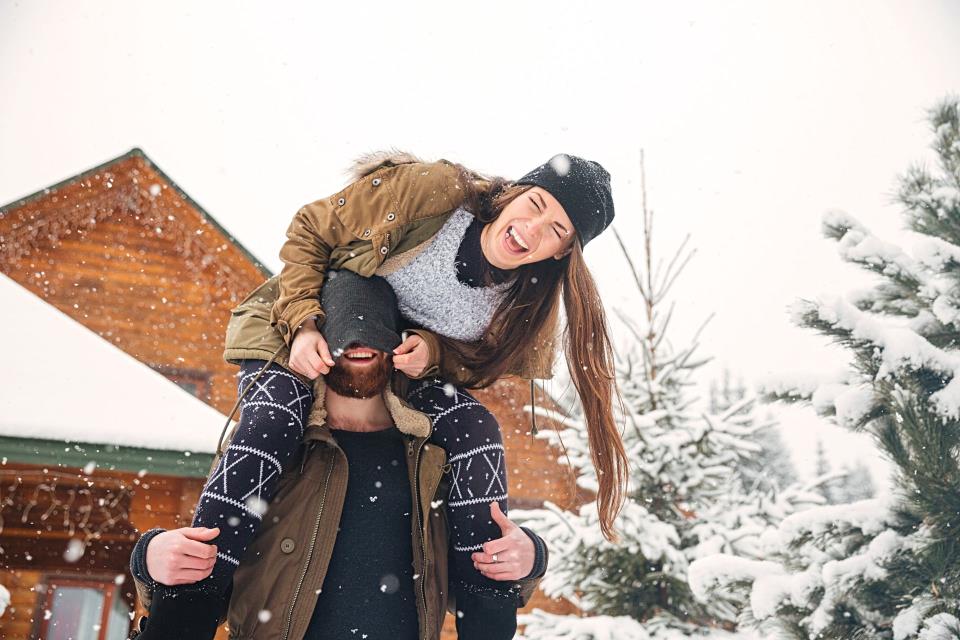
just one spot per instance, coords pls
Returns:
(412, 356)
(515, 553)
(182, 556)
(309, 353)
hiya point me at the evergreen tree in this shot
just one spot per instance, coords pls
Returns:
(685, 497)
(887, 567)
(769, 470)
(823, 470)
(856, 485)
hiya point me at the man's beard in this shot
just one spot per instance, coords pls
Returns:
(365, 381)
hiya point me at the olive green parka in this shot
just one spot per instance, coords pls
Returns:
(283, 569)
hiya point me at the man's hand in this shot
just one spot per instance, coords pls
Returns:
(309, 353)
(412, 356)
(182, 556)
(515, 553)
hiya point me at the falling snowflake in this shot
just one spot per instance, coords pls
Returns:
(74, 550)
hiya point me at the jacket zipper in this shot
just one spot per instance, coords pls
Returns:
(313, 540)
(423, 550)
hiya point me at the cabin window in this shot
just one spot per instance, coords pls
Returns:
(82, 609)
(193, 381)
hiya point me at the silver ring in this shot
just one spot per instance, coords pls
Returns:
(495, 558)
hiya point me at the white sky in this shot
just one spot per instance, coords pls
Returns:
(755, 117)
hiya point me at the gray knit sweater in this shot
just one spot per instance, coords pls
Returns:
(430, 294)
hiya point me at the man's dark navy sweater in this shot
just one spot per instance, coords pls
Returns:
(368, 590)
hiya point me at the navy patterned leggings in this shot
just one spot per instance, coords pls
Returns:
(272, 419)
(471, 436)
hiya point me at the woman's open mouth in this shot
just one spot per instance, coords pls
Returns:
(514, 244)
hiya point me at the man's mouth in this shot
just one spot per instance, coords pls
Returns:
(360, 355)
(514, 242)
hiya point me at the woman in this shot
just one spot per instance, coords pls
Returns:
(479, 265)
(516, 245)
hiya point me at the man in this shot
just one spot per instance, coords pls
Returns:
(354, 543)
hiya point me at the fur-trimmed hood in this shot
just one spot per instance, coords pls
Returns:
(366, 163)
(407, 419)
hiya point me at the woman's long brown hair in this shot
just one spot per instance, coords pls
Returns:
(530, 302)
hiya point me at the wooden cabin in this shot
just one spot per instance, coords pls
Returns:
(121, 254)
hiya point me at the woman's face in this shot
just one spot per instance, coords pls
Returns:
(532, 227)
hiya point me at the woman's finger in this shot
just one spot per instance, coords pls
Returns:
(408, 345)
(316, 364)
(324, 350)
(300, 365)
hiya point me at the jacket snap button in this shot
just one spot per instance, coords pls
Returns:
(383, 250)
(366, 232)
(391, 216)
(287, 545)
(376, 182)
(342, 201)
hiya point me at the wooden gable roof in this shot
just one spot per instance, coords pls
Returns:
(123, 250)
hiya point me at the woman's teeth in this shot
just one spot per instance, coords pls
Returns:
(522, 246)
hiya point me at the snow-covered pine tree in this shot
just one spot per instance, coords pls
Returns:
(685, 497)
(887, 567)
(856, 485)
(823, 468)
(771, 469)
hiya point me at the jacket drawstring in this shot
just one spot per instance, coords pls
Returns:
(244, 393)
(533, 414)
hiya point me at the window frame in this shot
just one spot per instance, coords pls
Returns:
(104, 583)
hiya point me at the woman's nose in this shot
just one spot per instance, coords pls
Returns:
(534, 227)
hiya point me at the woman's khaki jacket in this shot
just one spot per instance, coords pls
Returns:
(395, 204)
(283, 569)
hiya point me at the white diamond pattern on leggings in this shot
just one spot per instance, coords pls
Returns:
(477, 474)
(238, 492)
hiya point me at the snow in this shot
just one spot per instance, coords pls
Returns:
(841, 576)
(908, 621)
(900, 348)
(870, 516)
(541, 625)
(943, 626)
(772, 584)
(4, 599)
(66, 383)
(548, 626)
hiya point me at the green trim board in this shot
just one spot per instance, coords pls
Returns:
(138, 153)
(110, 457)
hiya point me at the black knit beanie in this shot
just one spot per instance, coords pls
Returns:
(583, 189)
(359, 309)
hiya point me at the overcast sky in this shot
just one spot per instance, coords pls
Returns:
(754, 118)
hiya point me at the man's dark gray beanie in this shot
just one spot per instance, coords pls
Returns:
(583, 189)
(358, 309)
